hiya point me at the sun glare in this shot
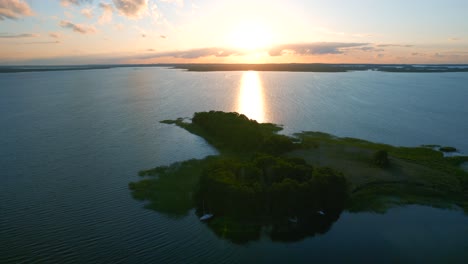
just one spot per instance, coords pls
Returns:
(250, 100)
(250, 36)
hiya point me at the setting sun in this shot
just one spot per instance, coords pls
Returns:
(251, 35)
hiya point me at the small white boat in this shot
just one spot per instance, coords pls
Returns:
(293, 219)
(206, 217)
(321, 212)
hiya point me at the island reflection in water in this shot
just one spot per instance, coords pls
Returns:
(250, 100)
(283, 212)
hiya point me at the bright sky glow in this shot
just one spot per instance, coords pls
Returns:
(251, 35)
(224, 31)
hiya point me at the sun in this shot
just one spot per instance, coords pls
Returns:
(250, 35)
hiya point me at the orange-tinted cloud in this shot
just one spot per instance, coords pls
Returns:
(74, 2)
(87, 12)
(132, 8)
(19, 36)
(107, 11)
(14, 9)
(194, 53)
(83, 29)
(316, 48)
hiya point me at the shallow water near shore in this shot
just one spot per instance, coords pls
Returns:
(72, 141)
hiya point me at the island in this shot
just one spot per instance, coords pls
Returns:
(292, 187)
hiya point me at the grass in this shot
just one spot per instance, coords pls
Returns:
(418, 175)
(169, 189)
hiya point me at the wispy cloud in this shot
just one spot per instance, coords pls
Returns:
(177, 2)
(194, 53)
(367, 49)
(55, 35)
(107, 11)
(87, 12)
(19, 36)
(394, 45)
(119, 27)
(155, 14)
(454, 39)
(132, 8)
(42, 42)
(316, 48)
(83, 29)
(74, 2)
(141, 32)
(14, 9)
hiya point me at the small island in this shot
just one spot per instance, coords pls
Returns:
(292, 187)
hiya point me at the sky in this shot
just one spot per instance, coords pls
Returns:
(65, 32)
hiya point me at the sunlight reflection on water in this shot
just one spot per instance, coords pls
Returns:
(250, 100)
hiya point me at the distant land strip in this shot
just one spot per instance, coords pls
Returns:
(290, 67)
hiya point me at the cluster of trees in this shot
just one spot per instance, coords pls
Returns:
(381, 159)
(270, 186)
(250, 185)
(236, 132)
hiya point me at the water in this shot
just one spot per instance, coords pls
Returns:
(70, 142)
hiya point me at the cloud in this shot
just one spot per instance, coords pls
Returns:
(163, 37)
(42, 42)
(141, 31)
(194, 53)
(87, 12)
(83, 29)
(107, 11)
(317, 48)
(155, 14)
(14, 9)
(74, 2)
(131, 8)
(454, 39)
(394, 45)
(19, 36)
(119, 27)
(177, 2)
(367, 49)
(55, 35)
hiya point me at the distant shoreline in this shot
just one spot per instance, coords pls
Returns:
(291, 67)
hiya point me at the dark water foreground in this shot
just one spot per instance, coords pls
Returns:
(70, 143)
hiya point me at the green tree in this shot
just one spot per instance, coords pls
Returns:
(381, 159)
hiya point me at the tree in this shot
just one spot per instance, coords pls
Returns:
(381, 158)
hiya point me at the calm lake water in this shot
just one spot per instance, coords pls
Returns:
(70, 142)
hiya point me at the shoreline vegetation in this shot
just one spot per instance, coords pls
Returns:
(286, 67)
(292, 187)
